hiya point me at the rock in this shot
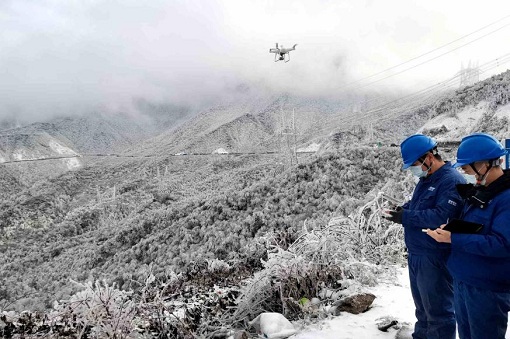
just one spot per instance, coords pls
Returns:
(355, 304)
(241, 335)
(334, 311)
(383, 324)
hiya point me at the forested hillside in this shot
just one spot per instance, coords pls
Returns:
(495, 89)
(125, 219)
(252, 122)
(10, 185)
(216, 210)
(482, 107)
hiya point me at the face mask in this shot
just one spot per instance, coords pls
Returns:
(470, 178)
(484, 180)
(418, 172)
(484, 177)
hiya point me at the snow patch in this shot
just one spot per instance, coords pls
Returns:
(393, 299)
(58, 148)
(2, 159)
(72, 163)
(459, 124)
(19, 155)
(503, 112)
(220, 151)
(314, 147)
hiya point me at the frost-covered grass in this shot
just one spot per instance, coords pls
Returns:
(76, 230)
(324, 262)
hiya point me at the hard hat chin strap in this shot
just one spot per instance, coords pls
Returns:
(492, 163)
(480, 179)
(422, 160)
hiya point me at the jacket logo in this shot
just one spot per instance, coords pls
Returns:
(451, 202)
(431, 188)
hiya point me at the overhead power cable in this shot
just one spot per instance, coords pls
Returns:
(410, 101)
(427, 53)
(417, 97)
(428, 60)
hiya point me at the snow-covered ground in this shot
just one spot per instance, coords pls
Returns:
(466, 121)
(313, 147)
(392, 300)
(458, 125)
(61, 150)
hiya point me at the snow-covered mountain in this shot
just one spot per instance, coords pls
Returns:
(473, 118)
(258, 123)
(127, 218)
(27, 146)
(47, 149)
(482, 107)
(32, 156)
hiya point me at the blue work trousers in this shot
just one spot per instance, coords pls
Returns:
(481, 313)
(432, 290)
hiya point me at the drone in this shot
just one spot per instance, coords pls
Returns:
(280, 53)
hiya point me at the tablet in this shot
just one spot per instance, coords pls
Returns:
(462, 226)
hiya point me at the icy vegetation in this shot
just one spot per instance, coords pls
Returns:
(149, 244)
(316, 218)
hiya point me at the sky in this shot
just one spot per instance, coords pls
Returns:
(75, 56)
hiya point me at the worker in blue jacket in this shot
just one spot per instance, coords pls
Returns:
(435, 200)
(480, 262)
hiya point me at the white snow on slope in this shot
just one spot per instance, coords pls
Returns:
(458, 125)
(392, 300)
(59, 149)
(20, 155)
(72, 163)
(220, 151)
(313, 147)
(503, 112)
(466, 122)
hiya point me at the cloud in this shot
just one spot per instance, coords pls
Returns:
(63, 57)
(66, 57)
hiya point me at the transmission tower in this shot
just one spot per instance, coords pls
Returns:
(288, 130)
(469, 75)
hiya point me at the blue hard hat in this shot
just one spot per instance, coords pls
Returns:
(478, 147)
(413, 147)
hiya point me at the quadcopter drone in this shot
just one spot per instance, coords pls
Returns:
(280, 53)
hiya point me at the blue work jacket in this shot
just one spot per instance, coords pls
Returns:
(483, 259)
(435, 200)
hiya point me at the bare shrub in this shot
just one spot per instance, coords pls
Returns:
(347, 252)
(100, 310)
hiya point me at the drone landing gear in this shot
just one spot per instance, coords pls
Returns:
(282, 57)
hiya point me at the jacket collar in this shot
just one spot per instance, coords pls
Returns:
(438, 173)
(481, 195)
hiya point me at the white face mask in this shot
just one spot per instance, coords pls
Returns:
(484, 180)
(418, 172)
(470, 178)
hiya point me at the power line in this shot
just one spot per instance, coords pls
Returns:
(428, 60)
(39, 159)
(416, 99)
(429, 52)
(432, 90)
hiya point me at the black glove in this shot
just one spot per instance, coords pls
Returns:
(395, 215)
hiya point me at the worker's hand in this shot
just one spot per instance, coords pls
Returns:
(394, 215)
(440, 235)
